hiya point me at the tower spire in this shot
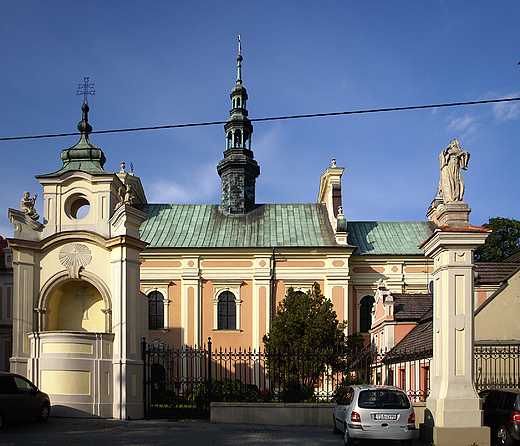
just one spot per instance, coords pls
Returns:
(239, 60)
(238, 170)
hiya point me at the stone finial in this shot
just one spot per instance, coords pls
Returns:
(27, 205)
(333, 162)
(123, 164)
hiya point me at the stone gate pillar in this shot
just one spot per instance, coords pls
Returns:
(453, 410)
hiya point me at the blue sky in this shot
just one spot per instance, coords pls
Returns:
(172, 62)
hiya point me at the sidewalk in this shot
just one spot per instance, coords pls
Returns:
(100, 432)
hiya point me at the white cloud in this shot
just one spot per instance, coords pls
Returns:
(196, 189)
(507, 111)
(465, 126)
(270, 143)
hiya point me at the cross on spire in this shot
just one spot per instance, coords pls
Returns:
(240, 44)
(85, 89)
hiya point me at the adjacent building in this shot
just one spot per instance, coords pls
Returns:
(6, 304)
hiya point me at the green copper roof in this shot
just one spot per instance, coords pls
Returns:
(388, 237)
(84, 156)
(269, 225)
(206, 226)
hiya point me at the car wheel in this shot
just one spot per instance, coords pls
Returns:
(503, 437)
(44, 414)
(349, 441)
(336, 430)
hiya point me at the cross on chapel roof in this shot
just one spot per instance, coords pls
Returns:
(85, 89)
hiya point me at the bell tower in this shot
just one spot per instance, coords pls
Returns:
(238, 170)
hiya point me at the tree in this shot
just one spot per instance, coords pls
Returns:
(303, 338)
(502, 242)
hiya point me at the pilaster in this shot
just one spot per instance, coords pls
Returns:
(453, 405)
(261, 298)
(191, 304)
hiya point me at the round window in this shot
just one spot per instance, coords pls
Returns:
(79, 207)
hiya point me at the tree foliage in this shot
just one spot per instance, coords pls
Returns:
(502, 242)
(305, 327)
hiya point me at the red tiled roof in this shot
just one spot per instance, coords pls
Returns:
(411, 307)
(493, 272)
(513, 258)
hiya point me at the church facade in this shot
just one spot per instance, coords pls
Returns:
(106, 269)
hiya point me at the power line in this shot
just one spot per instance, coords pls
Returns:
(273, 118)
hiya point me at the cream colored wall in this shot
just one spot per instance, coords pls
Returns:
(499, 319)
(67, 310)
(401, 274)
(49, 259)
(59, 194)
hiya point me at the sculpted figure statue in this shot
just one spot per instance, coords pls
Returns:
(129, 195)
(452, 160)
(126, 196)
(27, 205)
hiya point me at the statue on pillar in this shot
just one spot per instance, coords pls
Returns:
(452, 160)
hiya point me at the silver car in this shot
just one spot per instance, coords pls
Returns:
(374, 413)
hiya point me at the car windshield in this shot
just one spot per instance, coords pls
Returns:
(383, 399)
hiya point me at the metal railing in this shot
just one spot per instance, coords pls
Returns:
(497, 366)
(188, 379)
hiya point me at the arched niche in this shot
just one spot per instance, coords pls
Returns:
(78, 304)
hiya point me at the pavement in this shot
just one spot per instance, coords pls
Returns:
(101, 432)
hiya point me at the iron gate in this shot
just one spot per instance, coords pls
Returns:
(176, 381)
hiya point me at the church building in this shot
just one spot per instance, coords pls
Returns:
(106, 268)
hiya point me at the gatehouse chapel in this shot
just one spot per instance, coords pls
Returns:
(103, 268)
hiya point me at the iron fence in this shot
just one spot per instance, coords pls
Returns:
(183, 382)
(497, 366)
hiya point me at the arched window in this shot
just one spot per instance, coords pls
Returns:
(227, 311)
(365, 314)
(155, 310)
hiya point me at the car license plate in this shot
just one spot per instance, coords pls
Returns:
(385, 416)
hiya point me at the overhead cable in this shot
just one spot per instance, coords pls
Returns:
(273, 118)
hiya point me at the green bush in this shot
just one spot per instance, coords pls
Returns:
(163, 397)
(224, 390)
(294, 392)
